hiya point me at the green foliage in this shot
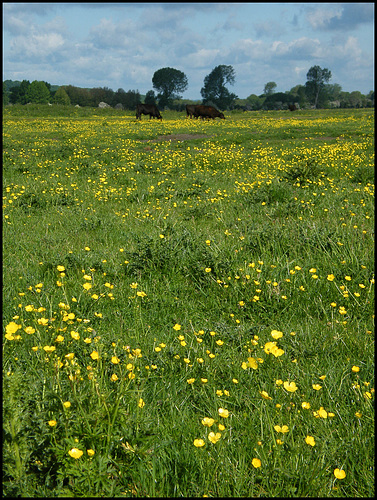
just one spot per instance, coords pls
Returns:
(182, 300)
(315, 85)
(61, 97)
(169, 83)
(214, 89)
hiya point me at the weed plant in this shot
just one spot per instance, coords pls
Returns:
(188, 305)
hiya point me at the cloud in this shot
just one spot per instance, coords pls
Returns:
(346, 16)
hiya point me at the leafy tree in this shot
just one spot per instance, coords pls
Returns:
(5, 94)
(128, 99)
(169, 82)
(269, 88)
(79, 96)
(18, 94)
(38, 93)
(101, 94)
(150, 97)
(299, 95)
(254, 102)
(315, 85)
(61, 97)
(214, 89)
(279, 100)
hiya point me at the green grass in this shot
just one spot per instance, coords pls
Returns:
(200, 240)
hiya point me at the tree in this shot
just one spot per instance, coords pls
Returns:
(38, 93)
(214, 89)
(255, 102)
(150, 97)
(5, 94)
(299, 94)
(18, 94)
(316, 79)
(61, 97)
(269, 88)
(169, 82)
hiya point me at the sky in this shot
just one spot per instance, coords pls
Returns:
(121, 45)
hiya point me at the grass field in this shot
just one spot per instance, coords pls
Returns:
(188, 305)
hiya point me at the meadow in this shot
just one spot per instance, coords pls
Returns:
(188, 305)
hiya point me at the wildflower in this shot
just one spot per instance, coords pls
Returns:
(204, 380)
(223, 413)
(208, 422)
(75, 453)
(49, 348)
(355, 369)
(114, 377)
(59, 338)
(52, 423)
(305, 405)
(265, 395)
(141, 294)
(219, 342)
(29, 330)
(358, 414)
(177, 327)
(339, 473)
(29, 308)
(90, 452)
(12, 327)
(67, 404)
(94, 355)
(252, 363)
(115, 360)
(61, 269)
(317, 387)
(87, 286)
(256, 463)
(283, 429)
(310, 440)
(70, 356)
(322, 413)
(199, 443)
(190, 381)
(214, 437)
(276, 334)
(207, 269)
(133, 285)
(141, 403)
(342, 310)
(290, 386)
(330, 277)
(347, 278)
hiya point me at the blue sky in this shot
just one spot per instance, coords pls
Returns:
(121, 45)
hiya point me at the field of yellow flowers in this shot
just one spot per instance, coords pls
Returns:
(188, 305)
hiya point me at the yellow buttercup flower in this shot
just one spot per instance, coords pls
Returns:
(276, 334)
(256, 463)
(214, 437)
(310, 440)
(339, 473)
(223, 413)
(199, 443)
(75, 453)
(290, 386)
(208, 422)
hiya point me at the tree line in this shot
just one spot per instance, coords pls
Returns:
(169, 84)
